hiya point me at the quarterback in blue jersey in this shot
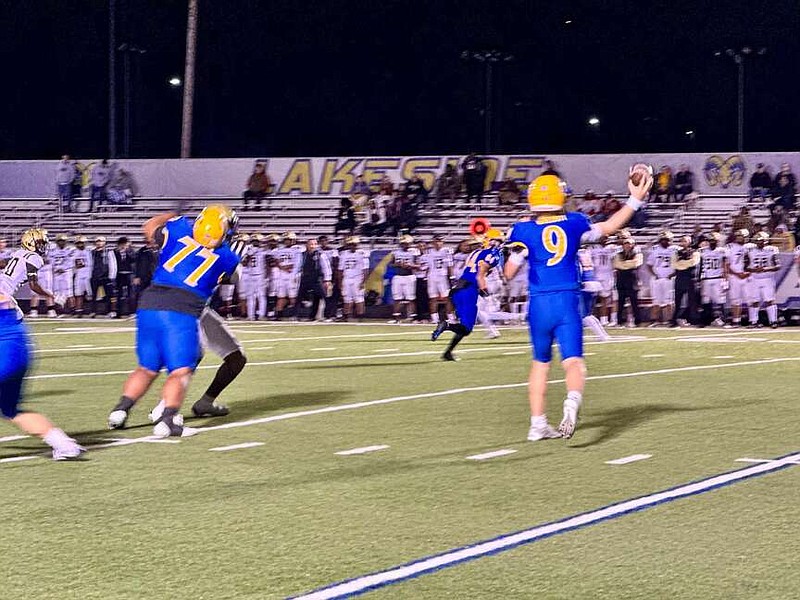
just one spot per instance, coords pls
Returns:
(469, 286)
(550, 243)
(194, 258)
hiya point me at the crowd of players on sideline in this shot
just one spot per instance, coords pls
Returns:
(694, 280)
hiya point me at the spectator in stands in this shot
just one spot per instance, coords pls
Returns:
(786, 170)
(698, 237)
(550, 168)
(509, 193)
(589, 204)
(783, 239)
(610, 206)
(360, 193)
(415, 190)
(126, 265)
(77, 181)
(760, 183)
(376, 216)
(783, 193)
(386, 186)
(65, 174)
(626, 263)
(684, 183)
(101, 175)
(316, 277)
(122, 187)
(743, 220)
(146, 261)
(474, 173)
(449, 184)
(664, 185)
(345, 217)
(777, 217)
(258, 186)
(405, 215)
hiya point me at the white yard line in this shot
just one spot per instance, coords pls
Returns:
(236, 447)
(77, 349)
(515, 352)
(488, 455)
(13, 438)
(724, 356)
(18, 458)
(321, 349)
(262, 348)
(763, 460)
(628, 459)
(458, 555)
(364, 450)
(652, 355)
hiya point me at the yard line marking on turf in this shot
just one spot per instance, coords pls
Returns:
(262, 348)
(629, 459)
(652, 355)
(515, 352)
(761, 460)
(589, 353)
(148, 439)
(81, 346)
(236, 446)
(13, 438)
(722, 356)
(488, 455)
(363, 450)
(322, 349)
(337, 337)
(450, 558)
(77, 349)
(17, 459)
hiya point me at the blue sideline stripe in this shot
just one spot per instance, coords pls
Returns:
(430, 564)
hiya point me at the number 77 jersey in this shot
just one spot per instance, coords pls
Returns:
(184, 264)
(553, 243)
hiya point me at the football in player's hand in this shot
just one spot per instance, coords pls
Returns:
(638, 172)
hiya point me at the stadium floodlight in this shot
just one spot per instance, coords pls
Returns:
(739, 56)
(689, 132)
(175, 81)
(594, 121)
(488, 58)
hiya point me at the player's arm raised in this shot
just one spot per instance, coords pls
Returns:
(620, 218)
(480, 277)
(153, 224)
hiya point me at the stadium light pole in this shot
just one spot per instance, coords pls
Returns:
(112, 78)
(740, 56)
(127, 50)
(188, 81)
(489, 58)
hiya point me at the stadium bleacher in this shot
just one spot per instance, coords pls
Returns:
(316, 216)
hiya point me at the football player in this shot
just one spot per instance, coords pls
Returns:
(550, 244)
(82, 267)
(290, 258)
(352, 274)
(590, 287)
(518, 290)
(193, 259)
(603, 260)
(404, 282)
(45, 278)
(5, 252)
(470, 286)
(739, 281)
(22, 267)
(761, 261)
(662, 270)
(332, 299)
(272, 273)
(62, 261)
(712, 294)
(440, 262)
(253, 280)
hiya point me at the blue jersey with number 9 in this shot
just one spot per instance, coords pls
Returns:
(184, 264)
(553, 243)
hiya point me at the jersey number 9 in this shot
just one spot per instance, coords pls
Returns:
(555, 242)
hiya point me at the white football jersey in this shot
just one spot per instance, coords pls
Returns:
(291, 256)
(352, 263)
(61, 259)
(404, 260)
(82, 261)
(734, 254)
(603, 260)
(439, 262)
(711, 262)
(762, 258)
(660, 260)
(254, 262)
(459, 260)
(331, 254)
(21, 265)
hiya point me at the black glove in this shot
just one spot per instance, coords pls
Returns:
(483, 293)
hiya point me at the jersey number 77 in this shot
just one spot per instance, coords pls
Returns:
(192, 248)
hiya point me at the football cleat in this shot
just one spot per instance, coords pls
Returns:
(449, 357)
(117, 419)
(155, 415)
(203, 408)
(567, 426)
(441, 327)
(174, 428)
(542, 432)
(68, 451)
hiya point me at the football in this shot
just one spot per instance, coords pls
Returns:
(638, 171)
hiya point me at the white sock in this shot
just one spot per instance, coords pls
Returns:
(435, 317)
(593, 323)
(603, 320)
(55, 438)
(451, 317)
(772, 313)
(539, 421)
(574, 399)
(752, 314)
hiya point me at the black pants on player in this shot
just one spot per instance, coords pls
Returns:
(628, 292)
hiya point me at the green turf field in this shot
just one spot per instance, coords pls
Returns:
(174, 520)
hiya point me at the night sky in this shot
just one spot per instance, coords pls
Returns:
(386, 77)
